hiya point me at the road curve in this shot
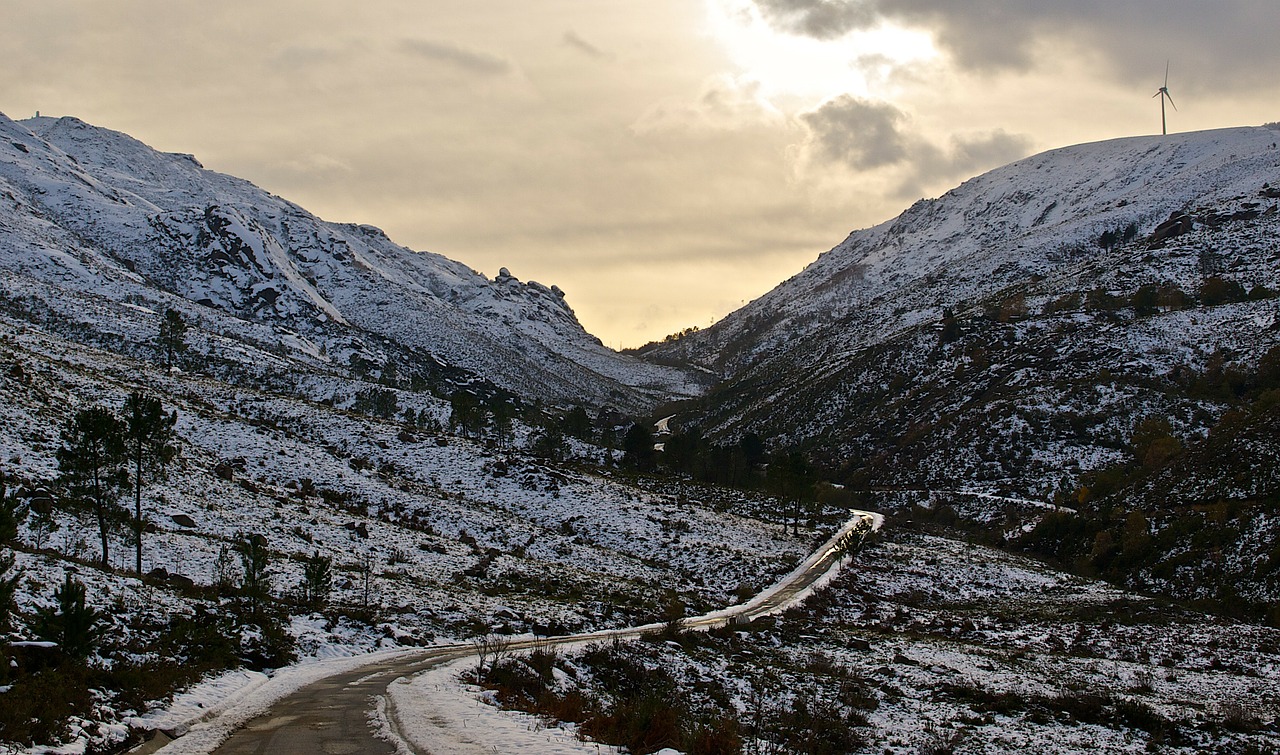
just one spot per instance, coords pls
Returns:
(333, 716)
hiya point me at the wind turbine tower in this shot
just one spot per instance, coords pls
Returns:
(1163, 94)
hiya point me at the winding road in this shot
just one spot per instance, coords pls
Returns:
(334, 715)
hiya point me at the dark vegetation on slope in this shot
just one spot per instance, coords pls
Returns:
(660, 692)
(1018, 391)
(147, 654)
(1197, 522)
(1137, 385)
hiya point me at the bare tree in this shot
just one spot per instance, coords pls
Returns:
(491, 649)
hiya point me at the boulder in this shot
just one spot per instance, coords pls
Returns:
(1177, 224)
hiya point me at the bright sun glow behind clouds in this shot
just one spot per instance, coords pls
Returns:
(792, 67)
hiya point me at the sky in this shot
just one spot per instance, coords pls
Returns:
(663, 162)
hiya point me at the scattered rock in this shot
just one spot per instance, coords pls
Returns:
(184, 521)
(40, 500)
(1178, 223)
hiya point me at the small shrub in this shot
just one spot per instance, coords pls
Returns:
(37, 707)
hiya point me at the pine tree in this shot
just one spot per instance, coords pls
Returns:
(503, 414)
(466, 414)
(378, 402)
(577, 423)
(172, 336)
(74, 625)
(255, 585)
(548, 443)
(91, 465)
(637, 447)
(752, 448)
(9, 578)
(950, 330)
(792, 478)
(149, 437)
(12, 512)
(317, 580)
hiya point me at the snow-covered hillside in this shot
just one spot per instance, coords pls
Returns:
(89, 211)
(1019, 222)
(430, 536)
(1069, 322)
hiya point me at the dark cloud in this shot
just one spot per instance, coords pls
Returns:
(574, 41)
(858, 133)
(1222, 45)
(823, 19)
(472, 61)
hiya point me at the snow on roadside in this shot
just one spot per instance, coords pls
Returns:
(434, 712)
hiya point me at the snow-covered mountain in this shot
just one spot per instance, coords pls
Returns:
(1030, 218)
(89, 211)
(1048, 363)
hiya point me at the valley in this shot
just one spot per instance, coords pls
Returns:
(380, 451)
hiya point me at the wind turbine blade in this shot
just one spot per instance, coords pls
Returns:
(1166, 94)
(1166, 74)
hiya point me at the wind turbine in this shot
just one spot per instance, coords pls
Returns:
(1163, 94)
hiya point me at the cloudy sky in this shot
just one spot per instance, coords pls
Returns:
(661, 161)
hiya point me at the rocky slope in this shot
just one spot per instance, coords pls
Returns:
(90, 214)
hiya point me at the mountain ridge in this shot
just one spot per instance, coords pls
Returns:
(133, 217)
(933, 231)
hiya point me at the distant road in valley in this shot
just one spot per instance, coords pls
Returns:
(332, 716)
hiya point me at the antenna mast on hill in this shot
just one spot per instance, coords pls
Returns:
(1163, 94)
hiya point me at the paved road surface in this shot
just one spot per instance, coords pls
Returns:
(331, 716)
